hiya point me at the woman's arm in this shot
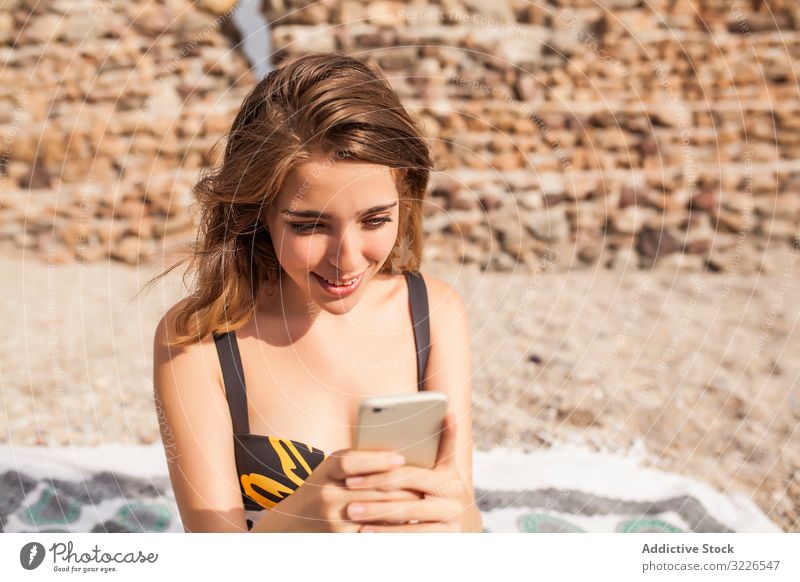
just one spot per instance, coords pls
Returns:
(197, 435)
(449, 370)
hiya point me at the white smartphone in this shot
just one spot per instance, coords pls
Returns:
(410, 424)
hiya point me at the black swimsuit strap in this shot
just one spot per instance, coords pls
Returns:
(418, 297)
(233, 375)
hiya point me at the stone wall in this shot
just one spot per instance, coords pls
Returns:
(575, 132)
(107, 112)
(571, 133)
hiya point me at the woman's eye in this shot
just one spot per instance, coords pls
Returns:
(378, 222)
(303, 228)
(308, 228)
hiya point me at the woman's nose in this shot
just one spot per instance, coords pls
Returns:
(344, 252)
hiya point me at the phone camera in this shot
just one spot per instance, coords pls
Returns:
(377, 409)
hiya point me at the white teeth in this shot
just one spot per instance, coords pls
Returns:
(345, 284)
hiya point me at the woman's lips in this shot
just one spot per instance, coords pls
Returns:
(338, 291)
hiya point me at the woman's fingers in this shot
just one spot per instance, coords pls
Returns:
(430, 509)
(351, 462)
(394, 495)
(433, 527)
(372, 496)
(428, 481)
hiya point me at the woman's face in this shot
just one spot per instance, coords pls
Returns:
(333, 220)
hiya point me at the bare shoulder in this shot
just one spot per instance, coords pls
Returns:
(166, 324)
(202, 353)
(447, 312)
(443, 296)
(436, 285)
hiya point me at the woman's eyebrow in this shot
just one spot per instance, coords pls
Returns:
(316, 214)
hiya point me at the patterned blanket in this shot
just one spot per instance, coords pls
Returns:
(561, 489)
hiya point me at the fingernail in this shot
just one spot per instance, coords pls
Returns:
(354, 510)
(398, 460)
(350, 481)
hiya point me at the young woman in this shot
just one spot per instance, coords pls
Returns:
(307, 298)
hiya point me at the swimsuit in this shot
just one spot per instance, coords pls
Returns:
(271, 468)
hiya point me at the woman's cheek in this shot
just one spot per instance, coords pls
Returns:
(300, 252)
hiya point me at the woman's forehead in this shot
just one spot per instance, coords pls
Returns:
(339, 186)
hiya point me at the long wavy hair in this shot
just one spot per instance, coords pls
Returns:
(323, 104)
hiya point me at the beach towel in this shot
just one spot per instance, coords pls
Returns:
(118, 488)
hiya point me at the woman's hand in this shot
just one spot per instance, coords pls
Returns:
(319, 504)
(443, 507)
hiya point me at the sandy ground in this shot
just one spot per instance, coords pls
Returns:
(703, 370)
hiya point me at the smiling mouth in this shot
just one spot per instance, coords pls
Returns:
(341, 282)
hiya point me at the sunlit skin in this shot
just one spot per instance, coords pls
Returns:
(337, 246)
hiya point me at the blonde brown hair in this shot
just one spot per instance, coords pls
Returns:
(329, 105)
